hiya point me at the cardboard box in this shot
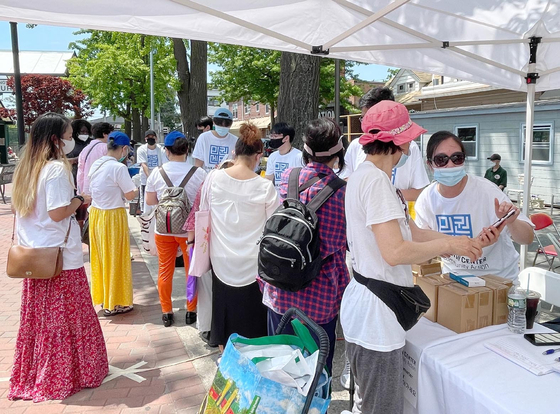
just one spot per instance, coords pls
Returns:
(427, 268)
(498, 279)
(457, 307)
(500, 293)
(445, 277)
(485, 306)
(430, 287)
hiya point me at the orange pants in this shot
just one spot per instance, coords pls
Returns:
(167, 252)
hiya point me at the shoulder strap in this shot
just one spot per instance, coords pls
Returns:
(293, 184)
(68, 232)
(188, 176)
(165, 177)
(324, 194)
(97, 169)
(91, 149)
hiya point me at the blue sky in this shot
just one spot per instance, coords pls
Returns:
(52, 38)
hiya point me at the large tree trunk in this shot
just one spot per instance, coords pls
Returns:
(298, 97)
(127, 123)
(146, 124)
(193, 91)
(136, 126)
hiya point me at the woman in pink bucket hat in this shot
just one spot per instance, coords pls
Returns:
(379, 304)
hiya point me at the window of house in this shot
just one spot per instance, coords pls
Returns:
(435, 82)
(213, 101)
(248, 108)
(543, 143)
(257, 107)
(234, 110)
(410, 86)
(400, 88)
(469, 135)
(267, 109)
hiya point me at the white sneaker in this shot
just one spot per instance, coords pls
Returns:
(345, 376)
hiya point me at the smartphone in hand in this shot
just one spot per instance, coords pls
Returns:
(504, 218)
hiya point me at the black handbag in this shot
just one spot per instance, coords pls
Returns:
(408, 303)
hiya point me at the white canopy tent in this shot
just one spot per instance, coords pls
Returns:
(504, 43)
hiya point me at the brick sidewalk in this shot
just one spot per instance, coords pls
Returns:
(139, 349)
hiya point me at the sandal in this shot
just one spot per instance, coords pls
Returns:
(117, 310)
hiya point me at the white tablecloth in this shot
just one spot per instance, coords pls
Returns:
(458, 374)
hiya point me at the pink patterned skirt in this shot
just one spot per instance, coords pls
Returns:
(60, 347)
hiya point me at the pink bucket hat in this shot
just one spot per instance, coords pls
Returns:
(392, 121)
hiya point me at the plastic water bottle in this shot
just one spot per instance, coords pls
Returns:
(517, 304)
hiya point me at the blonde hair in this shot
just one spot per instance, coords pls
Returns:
(249, 142)
(39, 150)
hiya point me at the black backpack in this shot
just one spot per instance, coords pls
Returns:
(289, 255)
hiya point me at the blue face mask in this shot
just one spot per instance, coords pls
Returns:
(449, 176)
(221, 131)
(402, 160)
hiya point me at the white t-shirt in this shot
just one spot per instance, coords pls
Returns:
(466, 215)
(37, 229)
(278, 163)
(366, 320)
(176, 171)
(153, 158)
(411, 175)
(238, 211)
(108, 183)
(212, 150)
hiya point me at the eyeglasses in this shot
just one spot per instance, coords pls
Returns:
(361, 118)
(441, 160)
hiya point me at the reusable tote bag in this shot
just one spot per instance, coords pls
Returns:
(200, 260)
(240, 387)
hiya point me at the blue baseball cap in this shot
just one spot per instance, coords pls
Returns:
(120, 138)
(172, 137)
(223, 113)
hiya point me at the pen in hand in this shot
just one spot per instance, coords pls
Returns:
(550, 351)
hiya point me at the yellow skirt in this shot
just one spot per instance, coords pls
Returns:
(111, 270)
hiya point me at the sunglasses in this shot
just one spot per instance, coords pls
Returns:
(441, 160)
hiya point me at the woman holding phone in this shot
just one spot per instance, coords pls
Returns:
(462, 204)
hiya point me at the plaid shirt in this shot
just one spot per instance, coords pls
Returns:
(321, 299)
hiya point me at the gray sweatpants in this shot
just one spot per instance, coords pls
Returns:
(379, 376)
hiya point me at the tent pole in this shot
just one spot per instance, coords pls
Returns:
(17, 81)
(152, 105)
(337, 91)
(531, 78)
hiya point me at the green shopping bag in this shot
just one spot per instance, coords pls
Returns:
(240, 388)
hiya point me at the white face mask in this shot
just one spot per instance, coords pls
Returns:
(68, 146)
(83, 137)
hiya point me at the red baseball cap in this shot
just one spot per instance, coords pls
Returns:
(393, 122)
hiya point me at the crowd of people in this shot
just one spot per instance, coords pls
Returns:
(367, 237)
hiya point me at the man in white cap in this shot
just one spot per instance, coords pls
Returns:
(212, 147)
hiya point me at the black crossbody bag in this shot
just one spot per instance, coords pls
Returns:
(408, 303)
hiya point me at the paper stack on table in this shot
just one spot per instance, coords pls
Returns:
(520, 351)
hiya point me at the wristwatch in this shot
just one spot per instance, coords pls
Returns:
(79, 197)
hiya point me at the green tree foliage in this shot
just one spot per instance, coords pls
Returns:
(254, 74)
(391, 73)
(170, 116)
(113, 69)
(246, 73)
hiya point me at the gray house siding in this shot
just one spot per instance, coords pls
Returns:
(499, 131)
